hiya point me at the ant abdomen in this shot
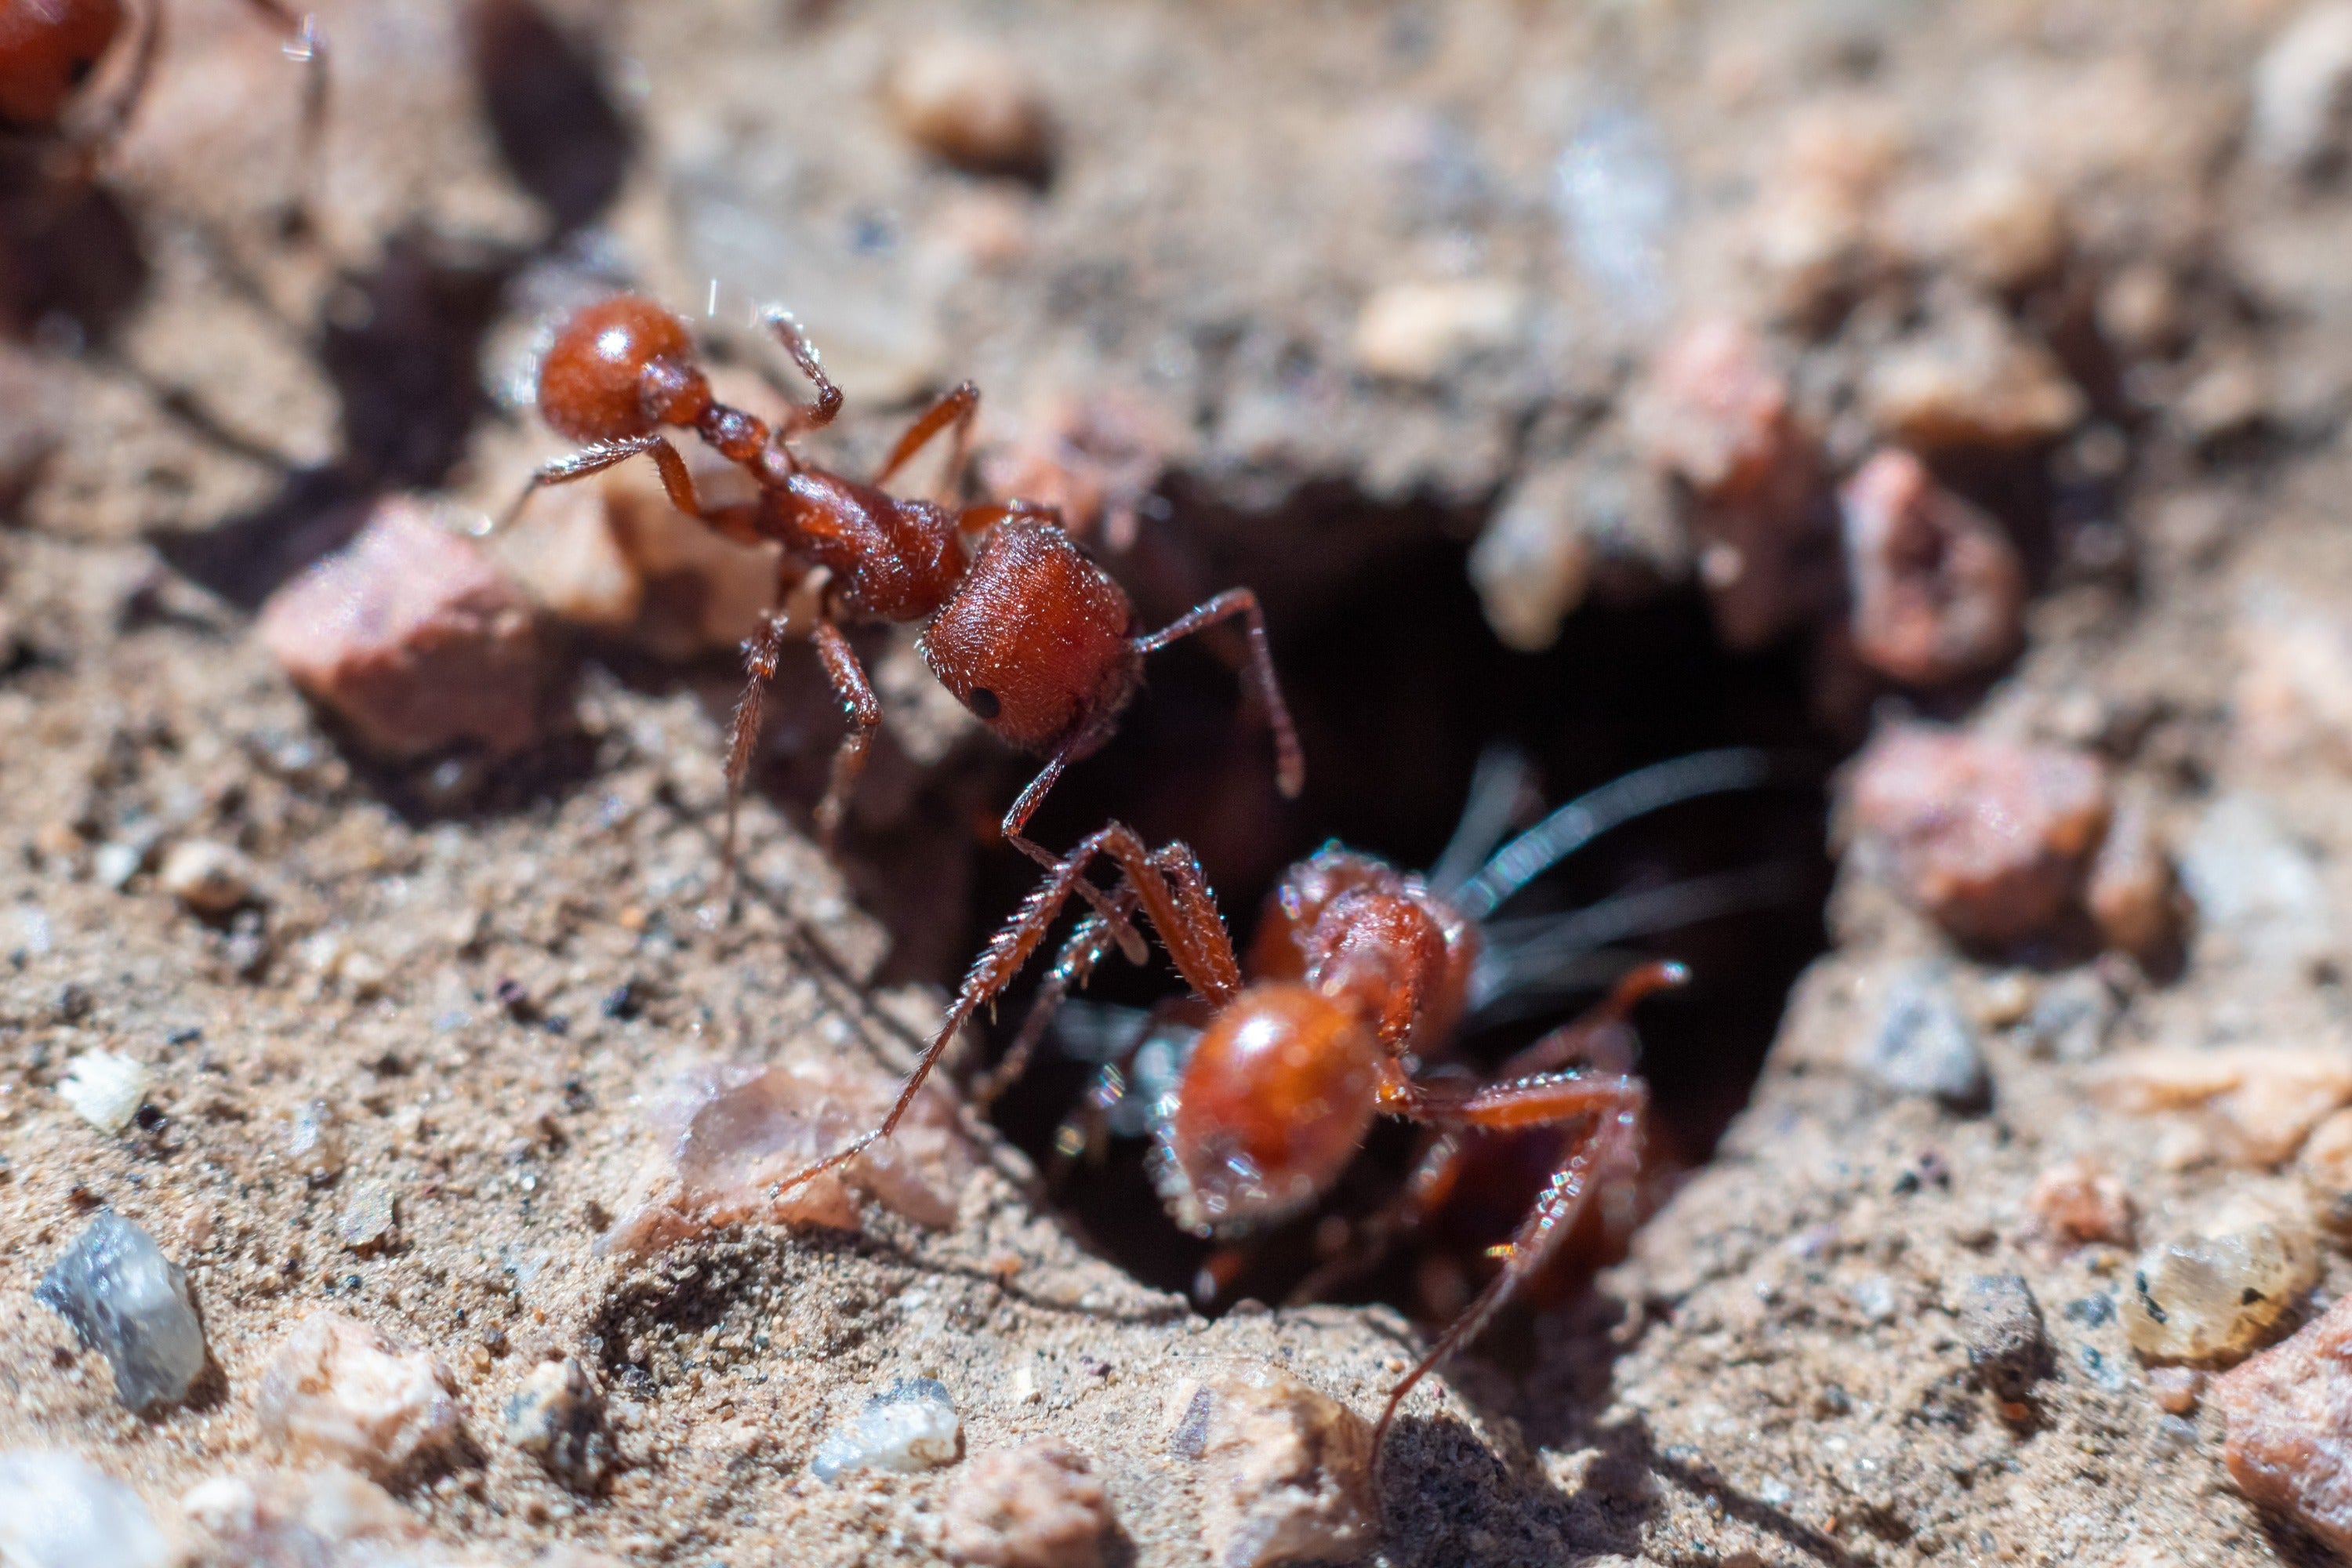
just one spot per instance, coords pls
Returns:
(1037, 641)
(595, 381)
(1278, 1098)
(48, 52)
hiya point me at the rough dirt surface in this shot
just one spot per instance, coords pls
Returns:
(487, 973)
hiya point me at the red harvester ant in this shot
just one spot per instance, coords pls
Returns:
(1029, 635)
(1358, 978)
(50, 50)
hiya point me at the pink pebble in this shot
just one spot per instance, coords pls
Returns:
(413, 638)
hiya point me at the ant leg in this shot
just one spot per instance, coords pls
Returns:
(864, 712)
(1289, 764)
(1434, 1176)
(760, 654)
(981, 519)
(1015, 819)
(595, 459)
(1073, 967)
(1009, 949)
(1613, 1146)
(805, 416)
(306, 45)
(953, 411)
(1598, 1038)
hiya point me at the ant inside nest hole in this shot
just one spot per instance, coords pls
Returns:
(1431, 745)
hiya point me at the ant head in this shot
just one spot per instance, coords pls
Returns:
(1037, 641)
(47, 50)
(1277, 1099)
(620, 367)
(1352, 923)
(1285, 944)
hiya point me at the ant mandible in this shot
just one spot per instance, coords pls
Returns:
(50, 50)
(1028, 633)
(1359, 973)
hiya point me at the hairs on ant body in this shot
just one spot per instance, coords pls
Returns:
(50, 51)
(1356, 980)
(1029, 633)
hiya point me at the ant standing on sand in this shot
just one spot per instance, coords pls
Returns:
(51, 49)
(1031, 635)
(1357, 979)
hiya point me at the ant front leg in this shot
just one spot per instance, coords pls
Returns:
(1611, 1148)
(1289, 764)
(953, 412)
(675, 480)
(805, 416)
(1011, 948)
(864, 712)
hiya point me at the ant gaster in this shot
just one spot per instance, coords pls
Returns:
(51, 49)
(1027, 632)
(1357, 976)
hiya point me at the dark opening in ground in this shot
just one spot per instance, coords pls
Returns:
(1398, 687)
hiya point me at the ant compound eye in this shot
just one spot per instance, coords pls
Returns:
(984, 703)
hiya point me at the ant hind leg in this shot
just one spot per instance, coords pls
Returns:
(760, 654)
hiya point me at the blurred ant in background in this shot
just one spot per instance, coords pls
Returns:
(51, 52)
(1029, 633)
(1358, 982)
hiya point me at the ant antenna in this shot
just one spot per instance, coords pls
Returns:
(1620, 801)
(1528, 959)
(1497, 784)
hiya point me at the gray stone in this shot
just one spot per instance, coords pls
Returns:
(56, 1511)
(2071, 1018)
(908, 1427)
(1924, 1043)
(129, 1303)
(2008, 1344)
(556, 1417)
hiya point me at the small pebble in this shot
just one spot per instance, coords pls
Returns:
(2078, 1202)
(2176, 1389)
(414, 639)
(56, 1510)
(105, 1089)
(1715, 415)
(2132, 893)
(211, 878)
(1924, 1043)
(1286, 1471)
(338, 1391)
(728, 1133)
(371, 1219)
(974, 105)
(2008, 1344)
(1939, 590)
(1988, 838)
(556, 1417)
(129, 1303)
(2071, 1018)
(1037, 1506)
(1417, 332)
(1534, 560)
(327, 1518)
(2289, 1413)
(2214, 1300)
(908, 1427)
(114, 863)
(2001, 228)
(315, 1143)
(2302, 111)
